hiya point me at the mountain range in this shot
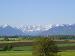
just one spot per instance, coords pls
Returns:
(37, 30)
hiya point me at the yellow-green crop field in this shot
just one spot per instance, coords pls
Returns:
(28, 53)
(15, 53)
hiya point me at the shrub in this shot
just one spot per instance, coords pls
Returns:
(7, 47)
(6, 39)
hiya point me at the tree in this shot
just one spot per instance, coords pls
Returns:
(7, 47)
(6, 39)
(45, 47)
(10, 47)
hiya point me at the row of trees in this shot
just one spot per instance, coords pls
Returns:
(60, 37)
(7, 47)
(53, 37)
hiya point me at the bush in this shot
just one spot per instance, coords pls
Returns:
(6, 39)
(7, 47)
(45, 47)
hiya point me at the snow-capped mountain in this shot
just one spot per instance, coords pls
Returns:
(32, 28)
(7, 30)
(35, 30)
(64, 29)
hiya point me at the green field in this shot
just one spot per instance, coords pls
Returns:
(15, 41)
(18, 51)
(29, 53)
(66, 45)
(15, 53)
(24, 48)
(67, 53)
(27, 50)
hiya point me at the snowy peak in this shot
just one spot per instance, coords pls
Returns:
(7, 30)
(56, 29)
(4, 26)
(31, 28)
(64, 29)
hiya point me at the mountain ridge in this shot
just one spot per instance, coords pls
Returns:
(35, 30)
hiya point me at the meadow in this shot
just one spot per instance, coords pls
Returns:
(15, 53)
(28, 52)
(24, 47)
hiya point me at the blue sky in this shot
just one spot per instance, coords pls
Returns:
(20, 12)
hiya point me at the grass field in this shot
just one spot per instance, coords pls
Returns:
(15, 41)
(15, 53)
(18, 51)
(24, 48)
(27, 50)
(64, 45)
(29, 53)
(67, 53)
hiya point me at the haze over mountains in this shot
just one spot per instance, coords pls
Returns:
(36, 30)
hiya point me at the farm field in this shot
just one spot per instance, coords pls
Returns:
(67, 53)
(23, 47)
(18, 51)
(15, 41)
(29, 53)
(15, 53)
(66, 45)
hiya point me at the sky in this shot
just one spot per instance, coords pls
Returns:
(21, 12)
